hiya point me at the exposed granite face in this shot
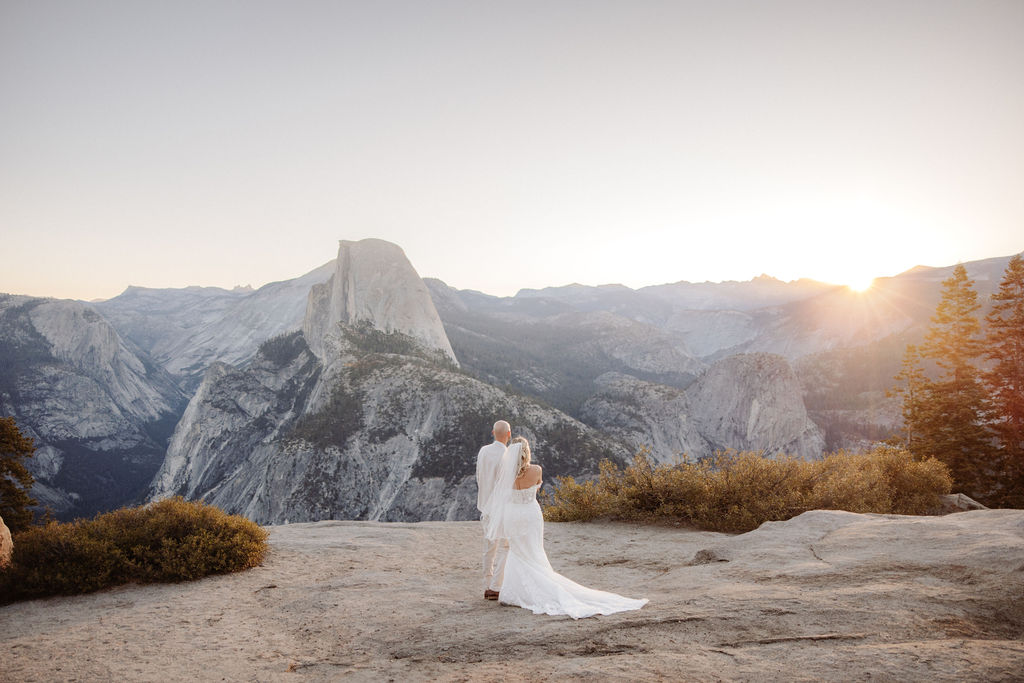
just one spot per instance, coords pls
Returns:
(186, 330)
(97, 408)
(374, 283)
(373, 436)
(746, 402)
(754, 402)
(646, 415)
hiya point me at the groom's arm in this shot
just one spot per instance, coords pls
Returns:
(479, 483)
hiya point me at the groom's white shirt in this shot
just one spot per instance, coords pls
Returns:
(487, 461)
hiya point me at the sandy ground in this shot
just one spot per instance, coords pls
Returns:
(826, 596)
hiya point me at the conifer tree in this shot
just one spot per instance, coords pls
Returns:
(913, 387)
(15, 479)
(1005, 347)
(954, 412)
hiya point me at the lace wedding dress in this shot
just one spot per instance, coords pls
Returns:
(530, 581)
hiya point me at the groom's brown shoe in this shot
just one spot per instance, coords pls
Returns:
(490, 595)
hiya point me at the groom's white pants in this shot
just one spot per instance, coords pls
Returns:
(495, 554)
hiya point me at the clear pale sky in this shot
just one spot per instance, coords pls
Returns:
(505, 144)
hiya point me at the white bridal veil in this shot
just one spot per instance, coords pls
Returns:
(494, 513)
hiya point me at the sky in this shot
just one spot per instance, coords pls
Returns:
(506, 145)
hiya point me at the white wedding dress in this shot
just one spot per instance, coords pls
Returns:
(530, 581)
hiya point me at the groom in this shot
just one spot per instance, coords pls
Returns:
(487, 461)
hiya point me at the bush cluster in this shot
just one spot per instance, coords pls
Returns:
(171, 540)
(740, 491)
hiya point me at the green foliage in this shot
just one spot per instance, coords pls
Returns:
(15, 479)
(21, 345)
(332, 425)
(953, 409)
(369, 339)
(970, 420)
(912, 385)
(451, 450)
(284, 348)
(740, 491)
(1005, 347)
(172, 540)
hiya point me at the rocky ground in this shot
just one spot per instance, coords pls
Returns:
(826, 596)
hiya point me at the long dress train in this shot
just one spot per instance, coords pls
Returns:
(530, 581)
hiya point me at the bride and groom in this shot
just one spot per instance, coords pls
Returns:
(516, 568)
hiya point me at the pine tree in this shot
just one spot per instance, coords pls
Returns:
(15, 480)
(1005, 342)
(913, 387)
(953, 419)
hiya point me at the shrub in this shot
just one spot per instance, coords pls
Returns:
(740, 491)
(171, 540)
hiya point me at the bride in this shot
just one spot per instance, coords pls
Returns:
(530, 582)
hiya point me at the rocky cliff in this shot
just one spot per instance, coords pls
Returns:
(361, 415)
(754, 402)
(378, 435)
(98, 409)
(748, 402)
(373, 283)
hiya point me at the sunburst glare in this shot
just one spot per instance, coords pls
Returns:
(861, 284)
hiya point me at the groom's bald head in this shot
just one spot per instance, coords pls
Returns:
(502, 431)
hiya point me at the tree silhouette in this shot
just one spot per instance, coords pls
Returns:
(1005, 347)
(951, 417)
(15, 480)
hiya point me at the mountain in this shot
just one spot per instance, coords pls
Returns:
(361, 390)
(553, 351)
(363, 414)
(185, 330)
(761, 292)
(99, 409)
(844, 346)
(374, 284)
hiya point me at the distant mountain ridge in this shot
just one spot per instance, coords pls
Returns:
(373, 384)
(185, 330)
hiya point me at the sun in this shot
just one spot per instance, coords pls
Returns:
(860, 284)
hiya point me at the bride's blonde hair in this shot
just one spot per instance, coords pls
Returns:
(524, 454)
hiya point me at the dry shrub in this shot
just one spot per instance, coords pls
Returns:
(573, 501)
(172, 540)
(740, 491)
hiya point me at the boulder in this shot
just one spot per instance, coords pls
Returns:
(6, 545)
(957, 502)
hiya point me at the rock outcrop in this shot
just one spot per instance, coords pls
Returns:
(754, 402)
(957, 502)
(97, 408)
(827, 596)
(6, 545)
(373, 284)
(646, 415)
(747, 402)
